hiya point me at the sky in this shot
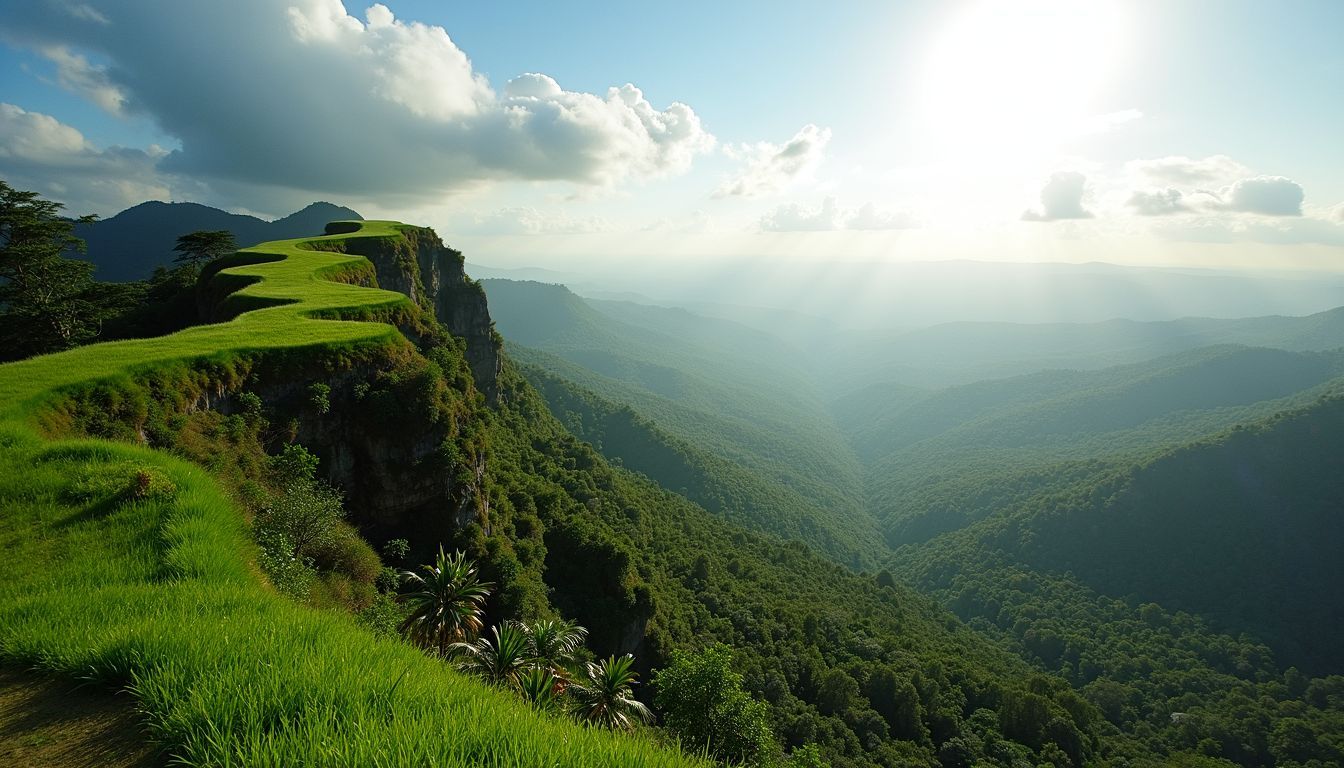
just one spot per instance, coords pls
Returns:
(1190, 133)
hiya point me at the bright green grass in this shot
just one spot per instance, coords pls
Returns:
(158, 593)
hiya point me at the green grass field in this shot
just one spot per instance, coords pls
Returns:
(132, 568)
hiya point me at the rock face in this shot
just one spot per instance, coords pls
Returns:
(434, 277)
(378, 449)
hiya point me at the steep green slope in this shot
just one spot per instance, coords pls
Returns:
(1101, 579)
(722, 487)
(725, 391)
(956, 455)
(864, 667)
(133, 568)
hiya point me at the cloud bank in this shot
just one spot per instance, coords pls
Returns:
(304, 96)
(830, 216)
(39, 152)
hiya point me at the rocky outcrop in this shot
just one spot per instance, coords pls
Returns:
(434, 277)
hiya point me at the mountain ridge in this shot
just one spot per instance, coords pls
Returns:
(131, 244)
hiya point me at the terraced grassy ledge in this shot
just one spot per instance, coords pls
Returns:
(132, 568)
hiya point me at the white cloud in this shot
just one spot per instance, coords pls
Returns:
(1160, 202)
(75, 74)
(696, 222)
(772, 168)
(830, 216)
(310, 99)
(1264, 195)
(40, 153)
(526, 220)
(868, 216)
(82, 12)
(1061, 198)
(1179, 170)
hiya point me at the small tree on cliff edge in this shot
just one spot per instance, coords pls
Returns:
(198, 248)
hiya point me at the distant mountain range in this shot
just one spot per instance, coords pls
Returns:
(131, 244)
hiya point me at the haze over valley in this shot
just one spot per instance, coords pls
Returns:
(945, 384)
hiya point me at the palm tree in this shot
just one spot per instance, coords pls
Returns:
(552, 643)
(446, 602)
(606, 695)
(501, 660)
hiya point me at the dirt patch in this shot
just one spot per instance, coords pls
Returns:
(46, 721)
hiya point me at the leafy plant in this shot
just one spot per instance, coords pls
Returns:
(499, 659)
(446, 602)
(605, 696)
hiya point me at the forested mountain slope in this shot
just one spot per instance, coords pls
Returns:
(964, 352)
(720, 389)
(1100, 577)
(952, 456)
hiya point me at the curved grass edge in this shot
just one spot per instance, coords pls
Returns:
(157, 593)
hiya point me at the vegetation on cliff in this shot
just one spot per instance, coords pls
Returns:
(133, 568)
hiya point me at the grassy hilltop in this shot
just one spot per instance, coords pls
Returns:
(134, 569)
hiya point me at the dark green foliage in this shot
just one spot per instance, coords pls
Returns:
(196, 249)
(499, 659)
(445, 603)
(306, 514)
(47, 301)
(793, 618)
(701, 700)
(604, 695)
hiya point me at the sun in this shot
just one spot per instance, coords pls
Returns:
(1017, 78)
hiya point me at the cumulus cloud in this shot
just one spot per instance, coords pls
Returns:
(1061, 198)
(305, 96)
(1179, 170)
(830, 216)
(1265, 195)
(1161, 202)
(1212, 184)
(771, 168)
(41, 153)
(526, 220)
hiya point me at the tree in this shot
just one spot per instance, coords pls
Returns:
(198, 248)
(306, 512)
(446, 602)
(605, 697)
(702, 700)
(47, 302)
(500, 659)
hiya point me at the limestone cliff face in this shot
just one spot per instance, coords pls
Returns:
(406, 469)
(434, 277)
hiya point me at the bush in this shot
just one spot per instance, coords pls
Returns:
(343, 551)
(703, 702)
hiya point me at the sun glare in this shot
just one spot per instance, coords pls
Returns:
(1015, 79)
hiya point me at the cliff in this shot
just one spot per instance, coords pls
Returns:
(433, 275)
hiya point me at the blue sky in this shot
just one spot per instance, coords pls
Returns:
(1193, 133)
